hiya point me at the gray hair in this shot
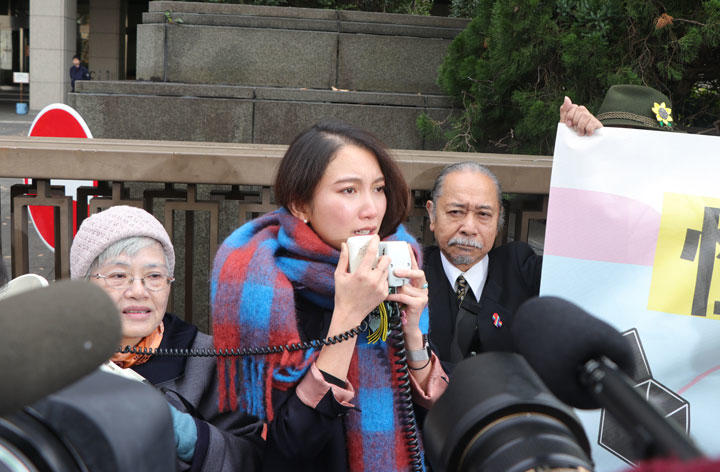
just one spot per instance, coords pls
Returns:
(473, 167)
(128, 246)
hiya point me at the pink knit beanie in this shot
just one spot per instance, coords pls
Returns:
(103, 229)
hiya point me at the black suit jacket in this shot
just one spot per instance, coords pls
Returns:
(513, 277)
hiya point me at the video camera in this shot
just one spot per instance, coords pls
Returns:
(497, 415)
(100, 423)
(59, 412)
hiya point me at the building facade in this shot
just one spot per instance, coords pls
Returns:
(41, 37)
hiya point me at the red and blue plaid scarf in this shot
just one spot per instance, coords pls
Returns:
(253, 305)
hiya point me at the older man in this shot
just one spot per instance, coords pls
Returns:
(474, 289)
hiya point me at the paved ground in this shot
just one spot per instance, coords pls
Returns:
(12, 124)
(41, 257)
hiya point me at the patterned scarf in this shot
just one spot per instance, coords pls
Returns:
(253, 305)
(151, 341)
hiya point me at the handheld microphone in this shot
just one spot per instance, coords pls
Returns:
(51, 337)
(584, 361)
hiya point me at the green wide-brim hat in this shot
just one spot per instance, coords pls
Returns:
(636, 106)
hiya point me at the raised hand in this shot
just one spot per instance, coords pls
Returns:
(578, 118)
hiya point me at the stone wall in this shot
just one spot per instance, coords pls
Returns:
(241, 114)
(244, 73)
(293, 47)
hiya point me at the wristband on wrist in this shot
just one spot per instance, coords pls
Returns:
(420, 355)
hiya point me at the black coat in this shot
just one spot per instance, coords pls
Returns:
(78, 73)
(301, 438)
(513, 277)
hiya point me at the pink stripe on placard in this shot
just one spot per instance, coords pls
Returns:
(601, 226)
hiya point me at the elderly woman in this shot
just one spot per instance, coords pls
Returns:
(128, 253)
(284, 278)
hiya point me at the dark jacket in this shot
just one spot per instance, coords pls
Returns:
(513, 277)
(228, 441)
(301, 438)
(78, 73)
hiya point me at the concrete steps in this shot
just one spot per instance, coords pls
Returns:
(245, 73)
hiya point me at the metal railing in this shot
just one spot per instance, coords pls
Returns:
(202, 191)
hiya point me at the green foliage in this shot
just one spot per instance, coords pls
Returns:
(469, 8)
(414, 7)
(511, 67)
(419, 7)
(172, 20)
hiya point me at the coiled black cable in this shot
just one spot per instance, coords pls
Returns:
(248, 351)
(406, 410)
(405, 403)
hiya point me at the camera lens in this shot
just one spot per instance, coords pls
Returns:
(12, 460)
(27, 444)
(497, 416)
(523, 441)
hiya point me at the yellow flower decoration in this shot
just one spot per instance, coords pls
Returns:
(662, 113)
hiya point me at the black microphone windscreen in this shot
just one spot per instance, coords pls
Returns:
(557, 337)
(51, 337)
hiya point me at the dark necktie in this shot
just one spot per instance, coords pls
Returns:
(465, 324)
(462, 288)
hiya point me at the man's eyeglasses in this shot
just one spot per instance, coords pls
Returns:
(154, 281)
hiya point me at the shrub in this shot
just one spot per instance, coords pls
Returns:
(511, 67)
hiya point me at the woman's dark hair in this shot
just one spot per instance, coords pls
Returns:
(310, 153)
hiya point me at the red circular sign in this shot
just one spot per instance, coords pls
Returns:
(57, 121)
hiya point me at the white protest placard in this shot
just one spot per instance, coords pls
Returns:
(21, 77)
(632, 237)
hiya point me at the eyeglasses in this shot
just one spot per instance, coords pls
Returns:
(154, 281)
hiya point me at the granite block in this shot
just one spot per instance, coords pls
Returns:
(164, 89)
(242, 21)
(248, 56)
(388, 29)
(339, 96)
(402, 19)
(150, 52)
(390, 63)
(240, 9)
(166, 118)
(280, 122)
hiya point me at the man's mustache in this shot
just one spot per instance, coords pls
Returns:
(465, 242)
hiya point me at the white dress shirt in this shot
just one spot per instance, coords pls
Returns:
(475, 275)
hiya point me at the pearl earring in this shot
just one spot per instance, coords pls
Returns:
(305, 221)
